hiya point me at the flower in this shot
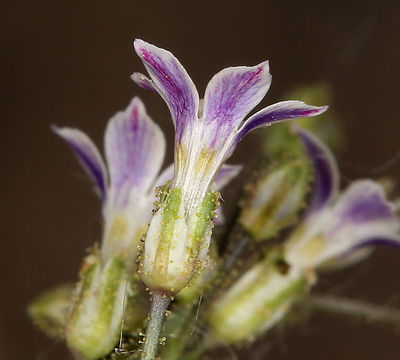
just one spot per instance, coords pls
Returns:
(336, 230)
(134, 149)
(337, 225)
(206, 134)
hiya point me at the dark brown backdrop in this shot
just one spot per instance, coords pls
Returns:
(69, 62)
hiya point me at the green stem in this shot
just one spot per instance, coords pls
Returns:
(356, 308)
(159, 305)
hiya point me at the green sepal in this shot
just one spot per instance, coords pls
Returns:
(49, 310)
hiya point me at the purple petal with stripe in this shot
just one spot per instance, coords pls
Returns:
(231, 95)
(362, 216)
(172, 82)
(365, 202)
(143, 81)
(326, 171)
(282, 111)
(135, 148)
(87, 154)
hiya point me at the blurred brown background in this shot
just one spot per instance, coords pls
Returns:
(68, 62)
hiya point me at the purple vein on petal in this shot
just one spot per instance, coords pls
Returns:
(135, 148)
(172, 82)
(232, 94)
(87, 154)
(326, 170)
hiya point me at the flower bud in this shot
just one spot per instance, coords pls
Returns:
(259, 299)
(94, 324)
(276, 198)
(176, 245)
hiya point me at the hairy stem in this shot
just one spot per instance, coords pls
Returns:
(356, 308)
(159, 305)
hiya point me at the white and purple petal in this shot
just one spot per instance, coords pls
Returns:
(173, 84)
(135, 148)
(361, 217)
(231, 95)
(326, 183)
(282, 111)
(365, 202)
(87, 154)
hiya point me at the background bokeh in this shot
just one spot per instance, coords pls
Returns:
(68, 62)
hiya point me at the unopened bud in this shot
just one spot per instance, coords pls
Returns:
(94, 325)
(276, 198)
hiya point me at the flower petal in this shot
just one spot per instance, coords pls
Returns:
(143, 81)
(226, 174)
(135, 148)
(365, 202)
(172, 82)
(326, 171)
(284, 110)
(362, 216)
(378, 240)
(232, 94)
(88, 155)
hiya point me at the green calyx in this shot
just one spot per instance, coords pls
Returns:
(259, 299)
(49, 310)
(169, 218)
(95, 322)
(204, 220)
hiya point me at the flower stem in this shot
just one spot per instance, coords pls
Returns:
(159, 305)
(356, 308)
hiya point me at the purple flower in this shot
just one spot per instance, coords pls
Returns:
(134, 150)
(338, 226)
(206, 134)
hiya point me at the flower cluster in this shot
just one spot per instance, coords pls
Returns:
(158, 226)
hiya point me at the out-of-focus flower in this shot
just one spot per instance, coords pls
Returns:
(206, 134)
(335, 229)
(134, 149)
(337, 225)
(258, 299)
